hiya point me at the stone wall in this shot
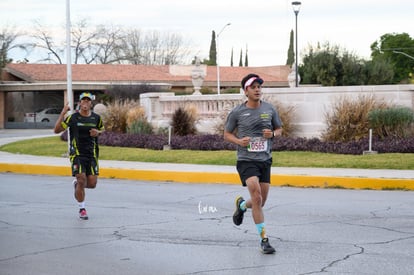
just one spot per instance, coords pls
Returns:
(310, 104)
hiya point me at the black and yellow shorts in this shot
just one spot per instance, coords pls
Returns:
(87, 165)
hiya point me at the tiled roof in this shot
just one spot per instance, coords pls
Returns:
(269, 74)
(140, 73)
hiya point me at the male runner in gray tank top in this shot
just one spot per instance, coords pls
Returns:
(252, 126)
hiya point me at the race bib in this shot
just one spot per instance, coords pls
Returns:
(257, 144)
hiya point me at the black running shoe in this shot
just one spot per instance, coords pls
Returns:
(265, 247)
(238, 214)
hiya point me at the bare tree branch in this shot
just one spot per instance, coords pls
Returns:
(46, 42)
(8, 38)
(114, 44)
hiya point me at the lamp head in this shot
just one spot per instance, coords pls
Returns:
(296, 6)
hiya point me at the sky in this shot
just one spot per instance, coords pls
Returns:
(261, 26)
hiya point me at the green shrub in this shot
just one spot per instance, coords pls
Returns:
(163, 131)
(207, 91)
(140, 127)
(392, 122)
(137, 121)
(231, 91)
(348, 120)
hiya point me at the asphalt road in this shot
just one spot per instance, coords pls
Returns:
(138, 227)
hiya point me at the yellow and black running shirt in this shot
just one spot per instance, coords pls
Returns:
(81, 142)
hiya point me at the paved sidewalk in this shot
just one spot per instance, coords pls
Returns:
(281, 176)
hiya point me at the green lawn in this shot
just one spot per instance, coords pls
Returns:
(53, 146)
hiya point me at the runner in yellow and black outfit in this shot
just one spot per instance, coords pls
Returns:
(84, 128)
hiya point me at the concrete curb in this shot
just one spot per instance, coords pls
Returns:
(281, 176)
(307, 181)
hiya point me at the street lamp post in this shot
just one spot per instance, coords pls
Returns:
(217, 57)
(69, 90)
(296, 8)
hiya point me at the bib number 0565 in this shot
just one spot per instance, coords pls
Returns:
(257, 145)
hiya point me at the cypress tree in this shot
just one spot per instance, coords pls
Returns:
(290, 54)
(246, 60)
(241, 58)
(231, 60)
(213, 50)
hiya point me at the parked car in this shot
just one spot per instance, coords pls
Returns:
(43, 115)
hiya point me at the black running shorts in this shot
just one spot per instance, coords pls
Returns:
(260, 169)
(86, 165)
